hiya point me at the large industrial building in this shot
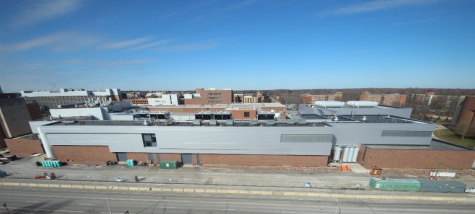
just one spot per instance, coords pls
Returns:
(305, 139)
(52, 99)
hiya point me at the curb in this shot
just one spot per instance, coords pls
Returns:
(247, 192)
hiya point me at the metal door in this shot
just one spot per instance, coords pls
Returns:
(187, 158)
(150, 157)
(121, 156)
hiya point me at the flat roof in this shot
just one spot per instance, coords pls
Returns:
(245, 105)
(313, 117)
(435, 144)
(380, 119)
(140, 123)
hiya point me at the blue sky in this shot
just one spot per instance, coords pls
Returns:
(250, 44)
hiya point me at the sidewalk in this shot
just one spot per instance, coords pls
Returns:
(26, 169)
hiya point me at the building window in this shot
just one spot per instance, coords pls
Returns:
(214, 98)
(246, 114)
(214, 101)
(149, 140)
(214, 93)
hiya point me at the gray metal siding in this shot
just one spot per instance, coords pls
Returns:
(231, 140)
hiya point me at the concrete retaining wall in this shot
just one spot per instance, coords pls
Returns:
(252, 192)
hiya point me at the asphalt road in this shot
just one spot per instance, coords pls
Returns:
(51, 200)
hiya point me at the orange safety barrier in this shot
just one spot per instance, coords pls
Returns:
(341, 168)
(346, 167)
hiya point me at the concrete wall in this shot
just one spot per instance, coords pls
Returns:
(415, 159)
(24, 147)
(92, 155)
(14, 117)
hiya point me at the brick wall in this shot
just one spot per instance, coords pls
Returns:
(35, 111)
(176, 157)
(264, 160)
(24, 147)
(192, 101)
(86, 155)
(239, 114)
(226, 96)
(139, 157)
(416, 159)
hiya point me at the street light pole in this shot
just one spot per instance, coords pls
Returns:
(108, 200)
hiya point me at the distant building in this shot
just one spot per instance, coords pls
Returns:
(248, 98)
(164, 99)
(395, 99)
(51, 99)
(310, 99)
(14, 118)
(238, 97)
(212, 96)
(428, 97)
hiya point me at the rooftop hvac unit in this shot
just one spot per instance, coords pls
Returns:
(290, 122)
(270, 122)
(350, 154)
(197, 122)
(358, 104)
(229, 122)
(253, 122)
(212, 122)
(329, 104)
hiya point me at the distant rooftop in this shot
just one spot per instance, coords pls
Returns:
(258, 123)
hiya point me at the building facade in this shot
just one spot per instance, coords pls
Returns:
(395, 99)
(51, 99)
(212, 96)
(311, 99)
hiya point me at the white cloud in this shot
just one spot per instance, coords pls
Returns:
(194, 46)
(374, 6)
(127, 43)
(151, 44)
(44, 10)
(56, 42)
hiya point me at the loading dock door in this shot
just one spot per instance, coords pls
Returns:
(121, 156)
(150, 157)
(187, 158)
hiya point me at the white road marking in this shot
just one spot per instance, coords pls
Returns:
(227, 209)
(32, 201)
(86, 204)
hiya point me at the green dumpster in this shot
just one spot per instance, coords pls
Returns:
(130, 162)
(168, 164)
(395, 184)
